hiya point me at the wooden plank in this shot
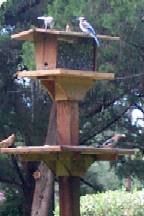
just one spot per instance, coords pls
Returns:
(45, 51)
(93, 150)
(59, 148)
(106, 157)
(68, 122)
(52, 74)
(29, 34)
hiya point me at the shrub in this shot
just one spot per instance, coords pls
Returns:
(112, 203)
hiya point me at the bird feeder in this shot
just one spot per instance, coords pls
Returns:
(66, 86)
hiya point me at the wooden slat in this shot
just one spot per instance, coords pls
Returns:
(52, 74)
(29, 35)
(58, 148)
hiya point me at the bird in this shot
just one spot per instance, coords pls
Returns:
(86, 27)
(8, 142)
(48, 21)
(68, 27)
(110, 143)
(21, 67)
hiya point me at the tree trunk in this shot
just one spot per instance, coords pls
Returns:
(43, 199)
(128, 183)
(43, 192)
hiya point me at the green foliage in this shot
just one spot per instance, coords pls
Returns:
(28, 55)
(12, 206)
(112, 203)
(102, 176)
(63, 11)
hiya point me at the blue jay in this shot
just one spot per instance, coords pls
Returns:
(48, 21)
(112, 142)
(87, 28)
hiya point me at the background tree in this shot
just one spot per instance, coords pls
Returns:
(107, 108)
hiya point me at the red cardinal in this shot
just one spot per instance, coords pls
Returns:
(110, 143)
(8, 142)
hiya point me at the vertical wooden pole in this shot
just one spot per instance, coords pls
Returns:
(68, 132)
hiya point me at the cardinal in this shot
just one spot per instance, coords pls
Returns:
(8, 142)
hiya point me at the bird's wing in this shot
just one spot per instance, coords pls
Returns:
(89, 27)
(107, 142)
(7, 142)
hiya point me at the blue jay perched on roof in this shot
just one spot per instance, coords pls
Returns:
(87, 28)
(48, 21)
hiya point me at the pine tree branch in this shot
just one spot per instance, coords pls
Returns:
(99, 107)
(16, 166)
(95, 132)
(130, 76)
(88, 184)
(9, 181)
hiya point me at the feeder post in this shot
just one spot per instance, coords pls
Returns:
(68, 133)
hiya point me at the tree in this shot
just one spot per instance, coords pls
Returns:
(108, 107)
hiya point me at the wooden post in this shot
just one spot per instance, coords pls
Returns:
(68, 132)
(69, 189)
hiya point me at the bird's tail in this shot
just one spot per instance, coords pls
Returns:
(97, 41)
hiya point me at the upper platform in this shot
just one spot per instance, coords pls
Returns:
(61, 49)
(65, 84)
(78, 61)
(54, 74)
(30, 34)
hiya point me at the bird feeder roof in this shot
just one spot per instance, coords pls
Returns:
(61, 35)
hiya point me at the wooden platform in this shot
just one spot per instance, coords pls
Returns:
(62, 35)
(65, 84)
(60, 72)
(67, 160)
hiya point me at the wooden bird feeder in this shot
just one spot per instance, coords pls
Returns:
(66, 87)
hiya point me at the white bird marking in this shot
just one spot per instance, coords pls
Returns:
(48, 21)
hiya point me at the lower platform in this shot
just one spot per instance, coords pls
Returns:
(67, 160)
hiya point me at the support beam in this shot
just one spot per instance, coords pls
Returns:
(68, 132)
(69, 188)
